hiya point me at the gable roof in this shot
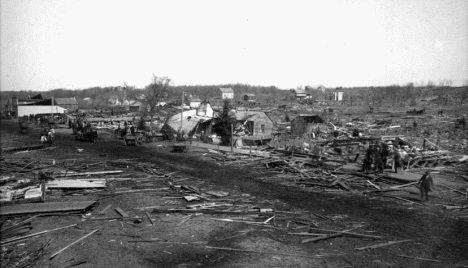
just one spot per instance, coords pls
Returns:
(226, 90)
(245, 115)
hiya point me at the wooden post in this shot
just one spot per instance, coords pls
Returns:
(181, 113)
(232, 138)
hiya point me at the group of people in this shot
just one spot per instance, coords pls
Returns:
(378, 156)
(48, 136)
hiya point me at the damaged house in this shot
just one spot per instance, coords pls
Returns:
(191, 122)
(258, 125)
(306, 124)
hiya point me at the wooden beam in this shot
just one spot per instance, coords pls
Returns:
(58, 252)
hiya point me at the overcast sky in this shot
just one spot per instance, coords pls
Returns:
(79, 44)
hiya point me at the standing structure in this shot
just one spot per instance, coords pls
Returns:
(226, 93)
(305, 124)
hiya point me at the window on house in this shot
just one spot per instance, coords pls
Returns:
(262, 127)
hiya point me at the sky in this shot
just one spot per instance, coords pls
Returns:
(77, 44)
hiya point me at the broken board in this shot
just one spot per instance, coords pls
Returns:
(32, 208)
(63, 184)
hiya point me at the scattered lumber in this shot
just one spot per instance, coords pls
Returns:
(32, 235)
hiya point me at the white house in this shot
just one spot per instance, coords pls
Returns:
(227, 93)
(338, 96)
(195, 102)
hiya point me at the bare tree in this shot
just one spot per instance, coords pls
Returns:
(155, 92)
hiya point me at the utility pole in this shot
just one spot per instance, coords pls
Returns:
(232, 138)
(181, 113)
(52, 108)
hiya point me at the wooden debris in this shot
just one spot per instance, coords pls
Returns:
(190, 198)
(217, 193)
(79, 184)
(31, 208)
(266, 252)
(383, 244)
(149, 218)
(32, 235)
(105, 209)
(74, 174)
(60, 251)
(347, 233)
(325, 236)
(121, 212)
(418, 258)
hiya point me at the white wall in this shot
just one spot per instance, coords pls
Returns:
(33, 109)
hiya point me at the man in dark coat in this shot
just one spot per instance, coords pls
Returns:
(397, 161)
(425, 184)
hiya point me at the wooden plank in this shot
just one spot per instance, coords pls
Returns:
(149, 218)
(58, 252)
(31, 235)
(73, 174)
(347, 233)
(31, 208)
(323, 237)
(64, 184)
(383, 244)
(121, 212)
(105, 209)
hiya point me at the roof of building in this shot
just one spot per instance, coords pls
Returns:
(245, 115)
(311, 118)
(37, 97)
(226, 90)
(250, 95)
(195, 99)
(190, 120)
(300, 91)
(66, 101)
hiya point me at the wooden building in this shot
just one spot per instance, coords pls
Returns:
(306, 124)
(226, 93)
(257, 124)
(249, 97)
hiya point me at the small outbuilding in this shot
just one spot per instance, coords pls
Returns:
(249, 97)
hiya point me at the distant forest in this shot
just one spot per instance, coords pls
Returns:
(268, 96)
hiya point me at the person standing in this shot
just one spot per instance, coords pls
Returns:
(397, 160)
(425, 184)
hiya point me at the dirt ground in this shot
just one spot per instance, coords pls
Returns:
(432, 235)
